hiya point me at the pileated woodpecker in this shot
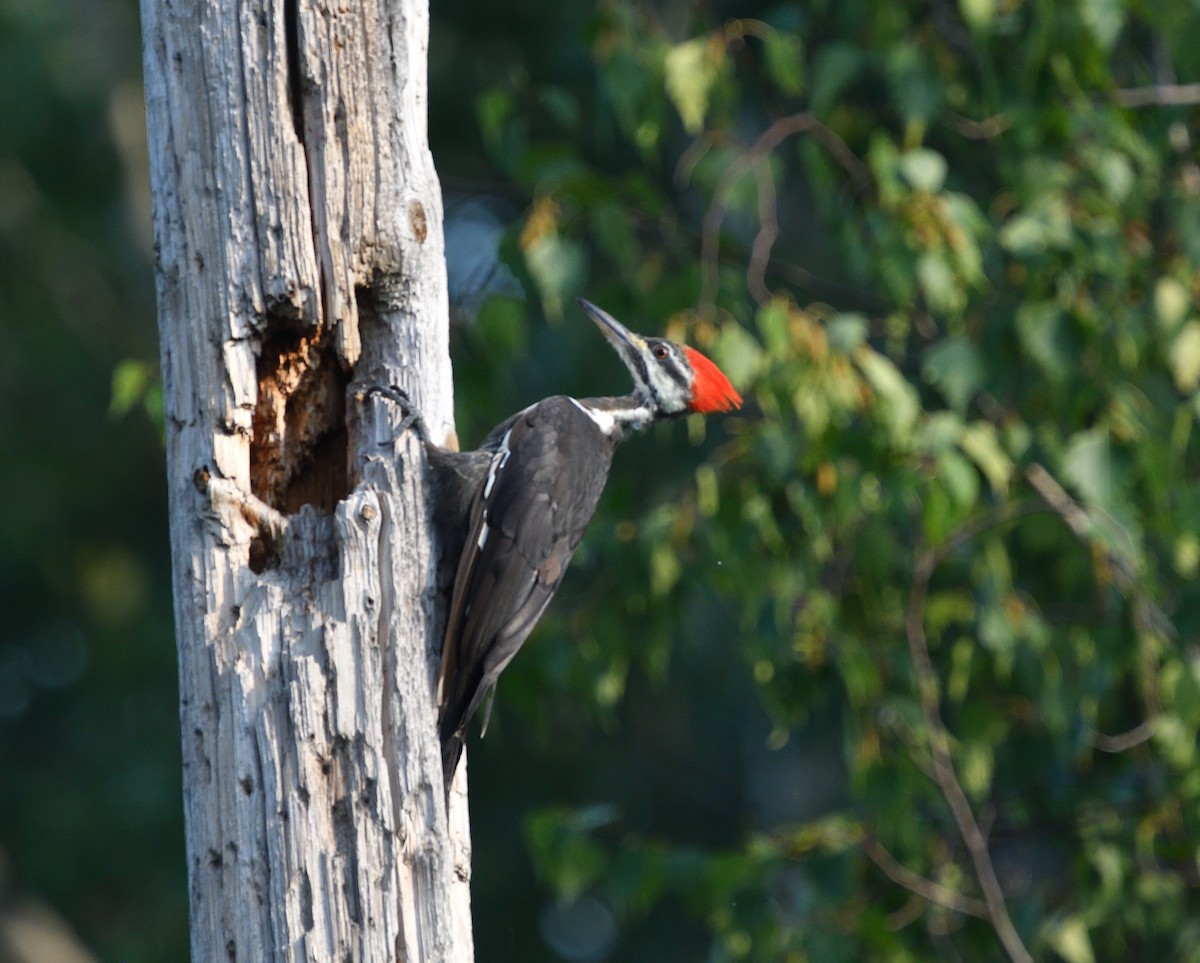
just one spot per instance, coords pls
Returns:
(521, 501)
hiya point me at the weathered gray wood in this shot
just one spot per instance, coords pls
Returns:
(298, 228)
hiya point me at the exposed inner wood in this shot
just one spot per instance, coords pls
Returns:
(298, 451)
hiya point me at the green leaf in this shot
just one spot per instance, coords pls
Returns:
(633, 83)
(784, 56)
(153, 404)
(1069, 939)
(738, 354)
(945, 608)
(977, 766)
(982, 444)
(899, 403)
(1187, 554)
(1176, 740)
(1043, 225)
(773, 324)
(941, 287)
(1185, 357)
(1115, 173)
(959, 680)
(836, 66)
(557, 266)
(1171, 303)
(846, 332)
(978, 13)
(1104, 20)
(562, 850)
(924, 169)
(955, 367)
(130, 381)
(494, 108)
(1088, 465)
(664, 569)
(940, 430)
(959, 478)
(1044, 337)
(692, 68)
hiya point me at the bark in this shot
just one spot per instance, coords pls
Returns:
(298, 229)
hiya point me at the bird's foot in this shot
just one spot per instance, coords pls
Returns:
(412, 417)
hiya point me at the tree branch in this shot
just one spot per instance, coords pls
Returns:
(1148, 617)
(1160, 95)
(757, 159)
(939, 737)
(927, 889)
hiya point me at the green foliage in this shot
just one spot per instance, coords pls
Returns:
(965, 271)
(90, 810)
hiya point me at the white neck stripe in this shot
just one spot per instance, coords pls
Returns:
(604, 419)
(617, 421)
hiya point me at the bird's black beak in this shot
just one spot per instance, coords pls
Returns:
(627, 344)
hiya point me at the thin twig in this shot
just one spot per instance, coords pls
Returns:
(756, 156)
(927, 889)
(1148, 617)
(972, 528)
(1123, 741)
(1081, 523)
(1160, 95)
(910, 912)
(986, 129)
(768, 232)
(939, 737)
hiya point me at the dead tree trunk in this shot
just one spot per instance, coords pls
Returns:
(298, 227)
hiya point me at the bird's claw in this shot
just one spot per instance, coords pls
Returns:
(412, 417)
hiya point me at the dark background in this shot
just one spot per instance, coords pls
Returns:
(985, 262)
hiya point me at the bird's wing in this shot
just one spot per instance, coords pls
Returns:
(526, 521)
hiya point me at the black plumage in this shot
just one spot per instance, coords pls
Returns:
(524, 526)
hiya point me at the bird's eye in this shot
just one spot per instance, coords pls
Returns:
(660, 351)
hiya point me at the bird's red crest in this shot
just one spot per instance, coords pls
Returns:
(711, 391)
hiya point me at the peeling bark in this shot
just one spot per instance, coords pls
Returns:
(298, 230)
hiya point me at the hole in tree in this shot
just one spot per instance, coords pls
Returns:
(298, 454)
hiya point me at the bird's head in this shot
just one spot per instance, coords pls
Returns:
(671, 378)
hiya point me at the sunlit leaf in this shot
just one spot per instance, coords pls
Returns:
(981, 442)
(1185, 357)
(1172, 302)
(960, 479)
(1104, 19)
(941, 287)
(1045, 224)
(130, 380)
(924, 169)
(846, 332)
(739, 355)
(978, 13)
(977, 767)
(555, 262)
(691, 68)
(1088, 465)
(899, 404)
(1069, 939)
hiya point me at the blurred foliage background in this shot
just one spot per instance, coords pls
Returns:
(898, 663)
